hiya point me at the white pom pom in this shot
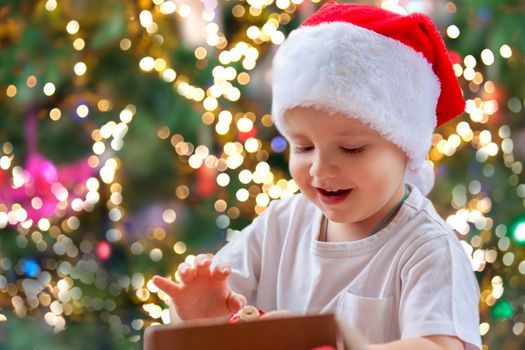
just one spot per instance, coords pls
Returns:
(422, 176)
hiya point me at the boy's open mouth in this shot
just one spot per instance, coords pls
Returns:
(333, 193)
(333, 197)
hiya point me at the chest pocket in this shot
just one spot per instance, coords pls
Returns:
(371, 316)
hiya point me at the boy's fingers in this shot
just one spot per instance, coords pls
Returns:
(200, 258)
(202, 266)
(167, 286)
(235, 302)
(185, 273)
(221, 271)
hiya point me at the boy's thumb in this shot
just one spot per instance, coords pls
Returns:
(236, 302)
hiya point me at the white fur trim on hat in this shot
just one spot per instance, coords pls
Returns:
(341, 67)
(422, 177)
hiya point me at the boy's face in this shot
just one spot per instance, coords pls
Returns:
(335, 152)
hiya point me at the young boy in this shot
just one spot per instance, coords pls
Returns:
(357, 92)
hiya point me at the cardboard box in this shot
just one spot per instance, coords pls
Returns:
(283, 333)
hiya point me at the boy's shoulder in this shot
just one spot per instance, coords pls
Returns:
(425, 227)
(422, 211)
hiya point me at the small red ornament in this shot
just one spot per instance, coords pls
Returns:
(247, 313)
(206, 183)
(243, 136)
(103, 250)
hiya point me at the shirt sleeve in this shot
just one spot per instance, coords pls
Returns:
(439, 293)
(243, 253)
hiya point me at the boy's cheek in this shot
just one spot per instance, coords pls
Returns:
(293, 166)
(300, 174)
(299, 170)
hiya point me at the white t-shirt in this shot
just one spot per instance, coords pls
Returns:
(411, 279)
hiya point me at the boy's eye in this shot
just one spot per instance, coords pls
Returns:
(299, 149)
(353, 150)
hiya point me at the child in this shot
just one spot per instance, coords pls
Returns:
(357, 92)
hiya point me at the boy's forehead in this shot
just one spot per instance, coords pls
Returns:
(300, 121)
(349, 128)
(335, 133)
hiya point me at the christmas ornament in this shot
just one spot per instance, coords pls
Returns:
(247, 313)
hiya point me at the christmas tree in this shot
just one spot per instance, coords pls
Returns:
(136, 134)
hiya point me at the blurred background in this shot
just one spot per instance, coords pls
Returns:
(136, 134)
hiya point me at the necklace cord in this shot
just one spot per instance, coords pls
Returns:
(378, 227)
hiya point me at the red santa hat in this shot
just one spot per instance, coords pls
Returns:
(390, 71)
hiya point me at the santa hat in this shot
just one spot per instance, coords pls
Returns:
(390, 71)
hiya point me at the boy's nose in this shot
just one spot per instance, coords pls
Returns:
(322, 168)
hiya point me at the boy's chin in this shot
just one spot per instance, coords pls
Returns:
(339, 215)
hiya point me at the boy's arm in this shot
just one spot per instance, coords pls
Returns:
(435, 342)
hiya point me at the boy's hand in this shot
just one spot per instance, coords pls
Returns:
(202, 293)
